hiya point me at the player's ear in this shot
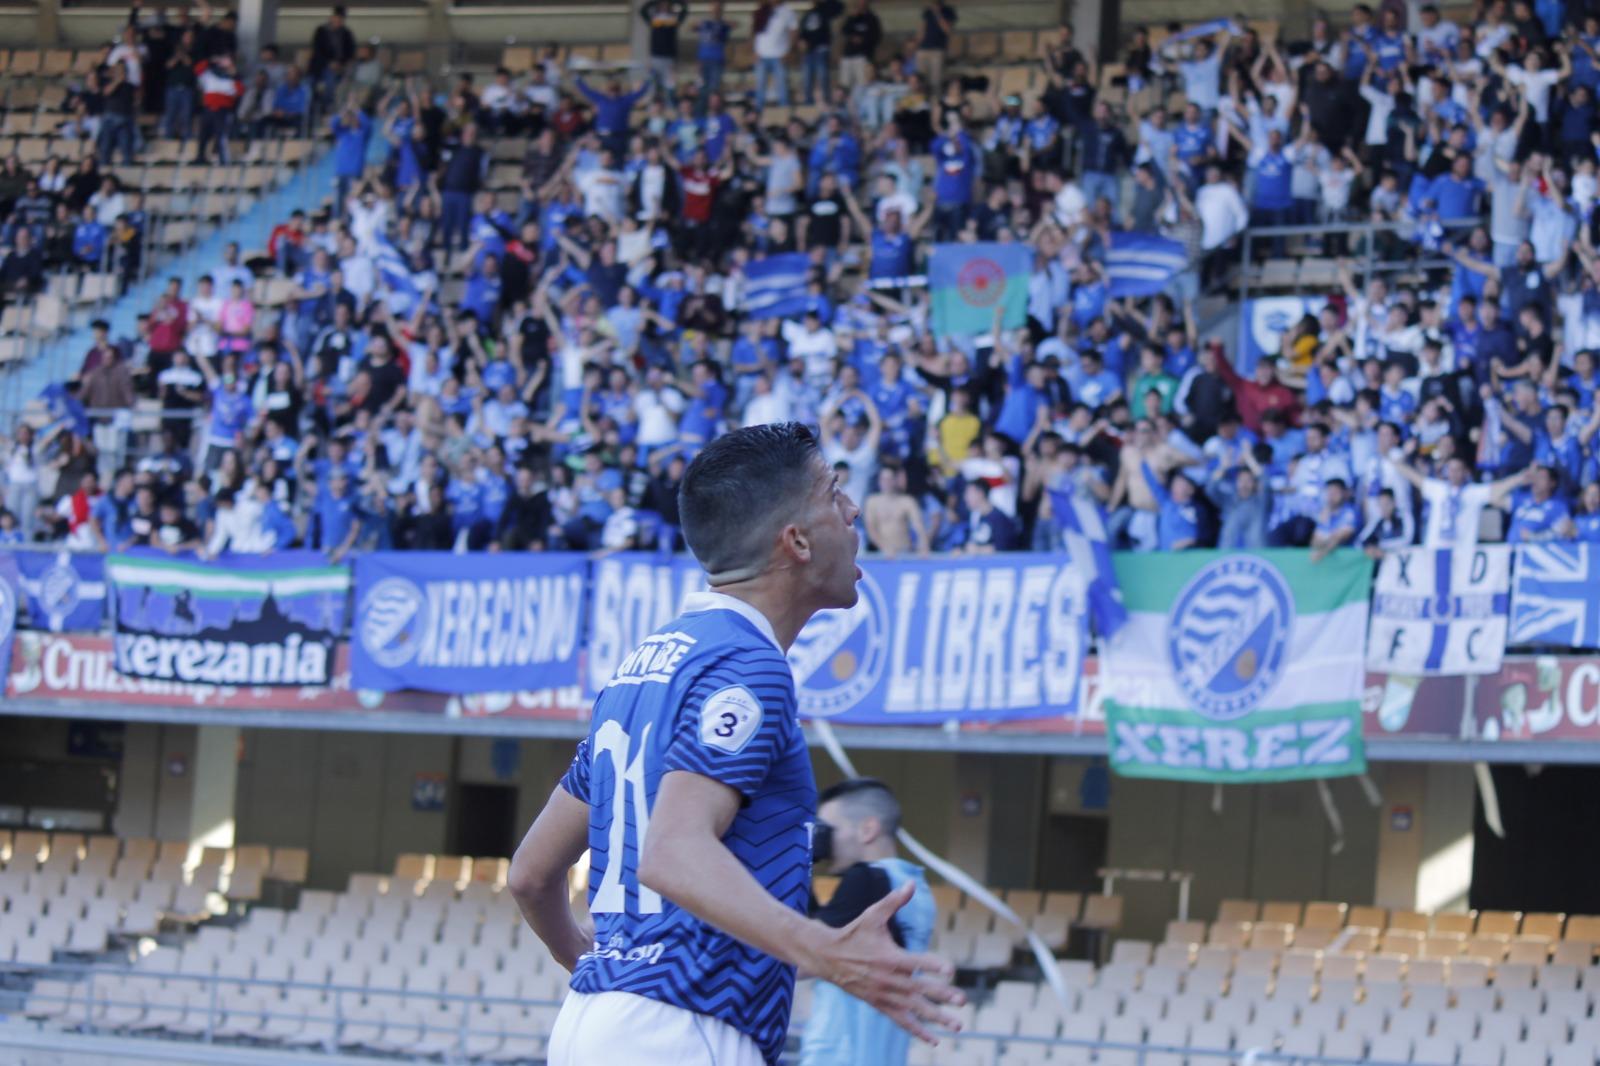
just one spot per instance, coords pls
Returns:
(795, 543)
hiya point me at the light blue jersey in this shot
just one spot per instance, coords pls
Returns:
(710, 693)
(845, 1031)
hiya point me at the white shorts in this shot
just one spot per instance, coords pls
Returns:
(622, 1029)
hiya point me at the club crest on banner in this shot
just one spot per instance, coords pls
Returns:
(1228, 635)
(58, 590)
(840, 656)
(392, 619)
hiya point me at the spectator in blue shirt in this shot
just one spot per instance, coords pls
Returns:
(1338, 522)
(611, 110)
(351, 130)
(1091, 384)
(1177, 516)
(1539, 512)
(89, 240)
(957, 165)
(1456, 192)
(711, 50)
(112, 512)
(290, 102)
(989, 529)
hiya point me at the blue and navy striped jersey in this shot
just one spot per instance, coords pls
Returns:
(710, 693)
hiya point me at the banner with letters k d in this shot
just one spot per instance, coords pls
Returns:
(1441, 611)
(1238, 666)
(442, 622)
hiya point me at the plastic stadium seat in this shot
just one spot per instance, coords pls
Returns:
(1433, 1051)
(1525, 952)
(1131, 953)
(1346, 1045)
(1282, 913)
(1545, 924)
(1238, 910)
(1184, 932)
(1102, 912)
(1412, 920)
(1389, 1048)
(1499, 923)
(1229, 934)
(1431, 998)
(1412, 1023)
(1067, 903)
(1581, 927)
(1376, 918)
(1325, 915)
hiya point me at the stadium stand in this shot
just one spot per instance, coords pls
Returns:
(434, 959)
(615, 321)
(526, 300)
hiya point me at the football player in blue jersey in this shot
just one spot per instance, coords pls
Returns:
(693, 794)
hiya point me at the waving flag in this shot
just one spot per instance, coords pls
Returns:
(775, 287)
(398, 278)
(1555, 596)
(1083, 529)
(1142, 264)
(1238, 666)
(970, 280)
(65, 592)
(1441, 611)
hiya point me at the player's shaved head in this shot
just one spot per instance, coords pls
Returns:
(861, 798)
(741, 490)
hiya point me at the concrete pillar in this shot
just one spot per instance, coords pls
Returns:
(47, 23)
(1094, 26)
(258, 25)
(179, 783)
(1425, 838)
(972, 806)
(438, 38)
(639, 35)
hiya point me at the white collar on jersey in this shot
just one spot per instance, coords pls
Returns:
(721, 601)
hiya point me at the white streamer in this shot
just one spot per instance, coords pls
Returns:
(1491, 799)
(954, 874)
(1331, 809)
(1370, 788)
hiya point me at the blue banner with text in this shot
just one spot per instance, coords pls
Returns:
(441, 622)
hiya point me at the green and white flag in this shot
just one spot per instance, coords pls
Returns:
(1238, 666)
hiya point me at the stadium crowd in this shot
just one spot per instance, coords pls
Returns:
(600, 335)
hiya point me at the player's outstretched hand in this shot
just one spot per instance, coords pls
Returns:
(912, 989)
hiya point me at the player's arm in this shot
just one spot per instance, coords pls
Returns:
(538, 876)
(685, 860)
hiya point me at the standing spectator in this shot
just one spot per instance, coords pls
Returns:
(220, 90)
(861, 34)
(107, 390)
(1103, 156)
(711, 51)
(463, 175)
(118, 117)
(773, 25)
(128, 55)
(816, 37)
(664, 17)
(180, 94)
(933, 41)
(612, 109)
(169, 326)
(333, 46)
(1454, 502)
(352, 128)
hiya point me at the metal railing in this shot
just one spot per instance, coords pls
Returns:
(217, 989)
(1362, 234)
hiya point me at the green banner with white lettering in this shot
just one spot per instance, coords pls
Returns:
(1238, 666)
